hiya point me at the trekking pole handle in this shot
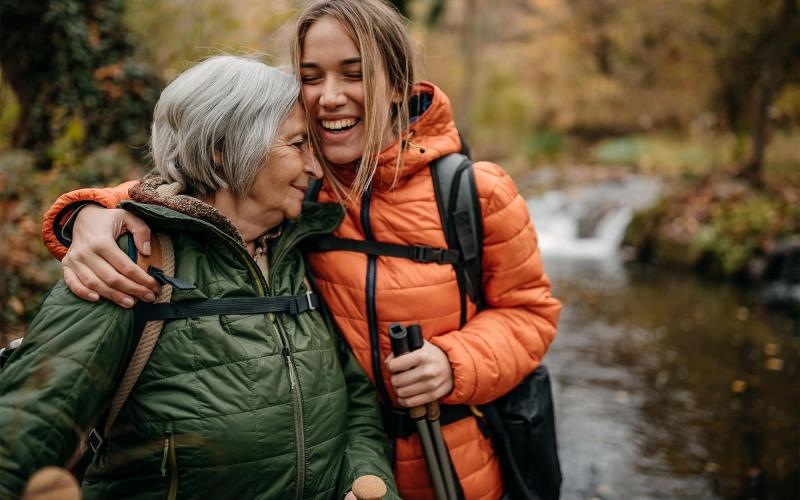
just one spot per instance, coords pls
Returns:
(415, 341)
(399, 338)
(369, 487)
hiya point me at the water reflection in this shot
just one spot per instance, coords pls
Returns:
(672, 387)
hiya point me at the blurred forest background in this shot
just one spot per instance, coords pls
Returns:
(703, 95)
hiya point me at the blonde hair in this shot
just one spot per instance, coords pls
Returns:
(381, 36)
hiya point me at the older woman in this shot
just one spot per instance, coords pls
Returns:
(228, 406)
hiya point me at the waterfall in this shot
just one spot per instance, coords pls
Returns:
(588, 222)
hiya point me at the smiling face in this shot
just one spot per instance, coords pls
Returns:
(280, 185)
(332, 74)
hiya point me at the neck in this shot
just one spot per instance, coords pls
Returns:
(250, 220)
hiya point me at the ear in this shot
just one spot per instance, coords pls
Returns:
(217, 156)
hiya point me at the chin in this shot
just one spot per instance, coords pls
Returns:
(342, 156)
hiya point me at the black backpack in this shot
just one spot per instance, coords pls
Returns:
(521, 423)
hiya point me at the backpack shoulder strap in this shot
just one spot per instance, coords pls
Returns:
(462, 221)
(162, 256)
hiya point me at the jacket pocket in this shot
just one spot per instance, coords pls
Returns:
(169, 463)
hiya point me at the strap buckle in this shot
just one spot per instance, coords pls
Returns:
(297, 305)
(420, 253)
(94, 440)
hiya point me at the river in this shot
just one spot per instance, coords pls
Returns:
(666, 385)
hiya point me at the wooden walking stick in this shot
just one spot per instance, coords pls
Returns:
(399, 338)
(369, 487)
(432, 414)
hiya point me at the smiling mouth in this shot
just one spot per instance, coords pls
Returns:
(339, 125)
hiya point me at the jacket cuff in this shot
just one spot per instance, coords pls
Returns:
(58, 215)
(463, 366)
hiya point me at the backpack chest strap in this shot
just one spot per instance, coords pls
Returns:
(417, 253)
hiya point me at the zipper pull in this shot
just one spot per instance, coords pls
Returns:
(286, 355)
(165, 279)
(164, 458)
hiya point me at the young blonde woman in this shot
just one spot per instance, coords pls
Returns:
(376, 133)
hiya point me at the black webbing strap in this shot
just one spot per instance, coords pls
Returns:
(292, 304)
(398, 424)
(417, 253)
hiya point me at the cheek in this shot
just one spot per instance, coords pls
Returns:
(309, 96)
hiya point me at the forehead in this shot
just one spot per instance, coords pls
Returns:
(326, 40)
(294, 123)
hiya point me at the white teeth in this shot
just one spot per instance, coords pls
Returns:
(338, 124)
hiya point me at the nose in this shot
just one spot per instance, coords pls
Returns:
(332, 95)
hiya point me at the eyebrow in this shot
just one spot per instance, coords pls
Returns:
(343, 62)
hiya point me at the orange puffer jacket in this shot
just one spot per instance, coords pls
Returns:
(497, 347)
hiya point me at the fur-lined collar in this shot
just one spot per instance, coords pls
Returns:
(154, 190)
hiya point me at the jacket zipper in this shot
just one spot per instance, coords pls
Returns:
(372, 314)
(263, 289)
(298, 403)
(169, 459)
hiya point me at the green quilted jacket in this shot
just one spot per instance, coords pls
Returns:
(229, 406)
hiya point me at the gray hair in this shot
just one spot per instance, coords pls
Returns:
(226, 104)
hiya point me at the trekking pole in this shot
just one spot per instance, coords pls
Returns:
(369, 487)
(399, 338)
(432, 414)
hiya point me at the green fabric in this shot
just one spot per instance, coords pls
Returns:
(215, 413)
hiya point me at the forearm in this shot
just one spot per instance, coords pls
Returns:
(62, 209)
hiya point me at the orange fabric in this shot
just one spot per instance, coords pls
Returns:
(59, 213)
(498, 347)
(494, 351)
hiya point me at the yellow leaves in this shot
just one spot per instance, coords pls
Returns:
(16, 305)
(738, 386)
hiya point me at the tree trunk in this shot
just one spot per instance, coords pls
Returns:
(776, 56)
(68, 60)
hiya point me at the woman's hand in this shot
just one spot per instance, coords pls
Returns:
(95, 266)
(421, 376)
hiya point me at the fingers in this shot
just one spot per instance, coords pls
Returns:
(97, 265)
(78, 288)
(421, 376)
(140, 232)
(418, 400)
(124, 274)
(88, 278)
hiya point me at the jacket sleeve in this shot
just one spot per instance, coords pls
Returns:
(65, 205)
(367, 450)
(504, 342)
(57, 383)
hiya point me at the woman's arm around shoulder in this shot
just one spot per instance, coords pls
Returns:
(57, 382)
(63, 208)
(506, 341)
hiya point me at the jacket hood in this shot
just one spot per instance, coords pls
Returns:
(432, 134)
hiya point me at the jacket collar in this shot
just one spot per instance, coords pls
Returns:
(432, 135)
(186, 213)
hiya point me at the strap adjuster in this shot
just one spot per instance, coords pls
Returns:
(420, 253)
(309, 299)
(94, 440)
